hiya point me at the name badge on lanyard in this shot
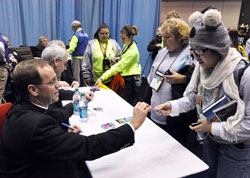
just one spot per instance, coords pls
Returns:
(106, 64)
(157, 81)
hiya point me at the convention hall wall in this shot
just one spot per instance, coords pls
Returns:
(230, 9)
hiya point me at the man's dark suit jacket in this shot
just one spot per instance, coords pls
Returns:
(34, 146)
(37, 52)
(58, 111)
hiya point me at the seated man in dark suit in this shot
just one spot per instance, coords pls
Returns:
(34, 145)
(66, 77)
(57, 58)
(42, 44)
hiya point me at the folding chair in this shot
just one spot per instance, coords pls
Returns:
(4, 108)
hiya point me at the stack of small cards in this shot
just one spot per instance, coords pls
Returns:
(111, 125)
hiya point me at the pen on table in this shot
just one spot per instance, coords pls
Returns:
(66, 125)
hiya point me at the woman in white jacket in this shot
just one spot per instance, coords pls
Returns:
(98, 54)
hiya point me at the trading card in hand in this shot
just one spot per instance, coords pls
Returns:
(124, 120)
(109, 125)
(94, 89)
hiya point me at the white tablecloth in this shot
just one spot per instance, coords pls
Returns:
(155, 153)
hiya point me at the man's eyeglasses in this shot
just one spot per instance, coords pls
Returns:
(198, 51)
(51, 83)
(65, 63)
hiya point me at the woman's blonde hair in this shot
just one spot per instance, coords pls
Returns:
(178, 27)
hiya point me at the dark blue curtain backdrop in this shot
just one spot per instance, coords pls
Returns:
(24, 21)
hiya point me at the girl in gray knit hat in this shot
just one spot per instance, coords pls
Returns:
(227, 139)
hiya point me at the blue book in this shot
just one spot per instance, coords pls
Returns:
(208, 112)
(226, 111)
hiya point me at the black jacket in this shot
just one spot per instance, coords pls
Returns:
(34, 146)
(152, 46)
(38, 50)
(58, 111)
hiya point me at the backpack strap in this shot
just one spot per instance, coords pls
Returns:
(242, 70)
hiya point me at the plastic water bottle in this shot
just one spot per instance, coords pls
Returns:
(76, 99)
(83, 108)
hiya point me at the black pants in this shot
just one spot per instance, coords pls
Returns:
(132, 89)
(146, 91)
(178, 128)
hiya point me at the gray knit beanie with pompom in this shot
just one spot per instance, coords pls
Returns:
(208, 31)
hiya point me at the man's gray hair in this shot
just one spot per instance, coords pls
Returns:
(54, 52)
(56, 42)
(40, 39)
(76, 23)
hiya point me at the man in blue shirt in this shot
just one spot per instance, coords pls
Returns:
(4, 60)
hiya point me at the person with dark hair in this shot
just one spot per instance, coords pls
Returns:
(128, 65)
(242, 35)
(77, 46)
(233, 34)
(155, 44)
(98, 55)
(208, 8)
(33, 144)
(226, 143)
(169, 76)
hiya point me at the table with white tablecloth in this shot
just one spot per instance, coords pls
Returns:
(154, 154)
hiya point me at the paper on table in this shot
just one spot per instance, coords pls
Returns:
(65, 102)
